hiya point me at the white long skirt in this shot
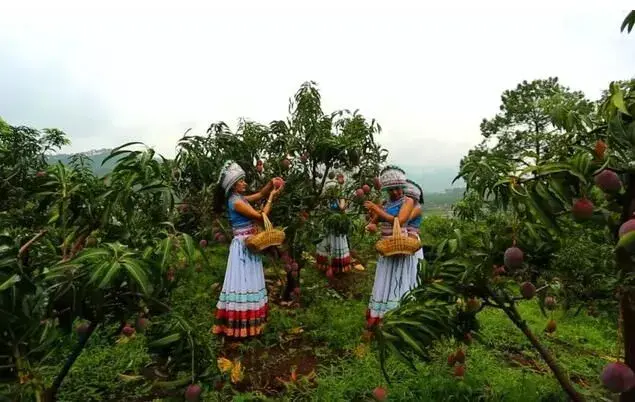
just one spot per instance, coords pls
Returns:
(242, 306)
(333, 252)
(394, 277)
(419, 253)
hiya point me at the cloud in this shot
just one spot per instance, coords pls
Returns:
(148, 71)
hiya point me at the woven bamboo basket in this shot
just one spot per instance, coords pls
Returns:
(397, 244)
(267, 238)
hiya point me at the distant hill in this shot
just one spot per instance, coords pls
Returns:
(436, 182)
(97, 156)
(434, 179)
(445, 199)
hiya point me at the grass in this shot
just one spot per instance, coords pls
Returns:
(321, 341)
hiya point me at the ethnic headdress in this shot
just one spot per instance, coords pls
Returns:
(391, 177)
(413, 190)
(230, 173)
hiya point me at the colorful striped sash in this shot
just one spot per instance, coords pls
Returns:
(244, 231)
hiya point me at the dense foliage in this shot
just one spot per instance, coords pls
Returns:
(81, 252)
(557, 189)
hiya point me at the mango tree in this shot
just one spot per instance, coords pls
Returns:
(23, 162)
(306, 149)
(100, 250)
(548, 193)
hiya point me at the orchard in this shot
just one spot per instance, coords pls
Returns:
(108, 283)
(561, 165)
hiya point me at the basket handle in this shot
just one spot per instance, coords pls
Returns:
(396, 227)
(267, 222)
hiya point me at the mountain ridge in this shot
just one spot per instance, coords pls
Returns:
(433, 180)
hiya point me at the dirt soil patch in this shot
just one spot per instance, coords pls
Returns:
(350, 284)
(268, 369)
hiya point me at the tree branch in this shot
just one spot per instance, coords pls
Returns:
(51, 393)
(562, 378)
(28, 244)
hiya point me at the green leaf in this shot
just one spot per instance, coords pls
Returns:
(166, 252)
(13, 279)
(441, 288)
(565, 196)
(152, 187)
(441, 247)
(116, 152)
(459, 237)
(532, 231)
(541, 191)
(543, 215)
(111, 273)
(399, 353)
(628, 22)
(165, 340)
(617, 99)
(189, 246)
(138, 273)
(99, 272)
(410, 341)
(54, 217)
(453, 244)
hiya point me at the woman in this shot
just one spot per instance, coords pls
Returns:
(242, 307)
(333, 255)
(414, 191)
(394, 275)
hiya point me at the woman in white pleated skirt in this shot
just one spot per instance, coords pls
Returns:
(242, 308)
(394, 275)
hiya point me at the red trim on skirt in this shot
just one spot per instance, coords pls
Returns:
(240, 324)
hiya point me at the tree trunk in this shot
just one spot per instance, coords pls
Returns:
(560, 375)
(628, 319)
(626, 266)
(51, 393)
(291, 284)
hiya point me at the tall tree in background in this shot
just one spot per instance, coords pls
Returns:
(523, 130)
(23, 154)
(523, 133)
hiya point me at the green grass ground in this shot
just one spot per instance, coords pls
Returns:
(321, 341)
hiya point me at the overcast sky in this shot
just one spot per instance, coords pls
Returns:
(429, 75)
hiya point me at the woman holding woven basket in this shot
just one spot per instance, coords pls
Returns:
(414, 191)
(242, 306)
(397, 274)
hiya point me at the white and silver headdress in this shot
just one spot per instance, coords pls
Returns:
(413, 190)
(229, 175)
(391, 177)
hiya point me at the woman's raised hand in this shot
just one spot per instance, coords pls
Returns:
(371, 206)
(276, 190)
(277, 182)
(371, 227)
